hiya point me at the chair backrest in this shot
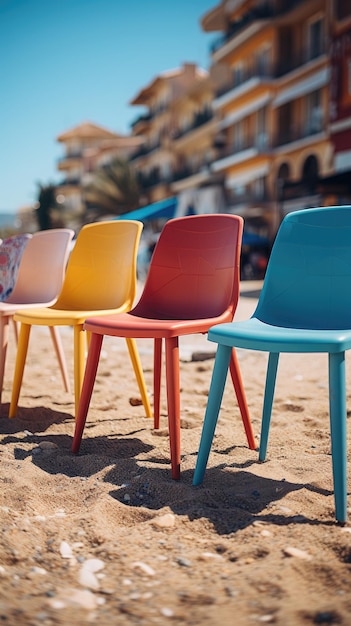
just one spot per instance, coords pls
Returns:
(42, 267)
(101, 271)
(11, 251)
(194, 269)
(308, 277)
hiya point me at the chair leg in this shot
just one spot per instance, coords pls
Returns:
(4, 335)
(157, 380)
(79, 363)
(219, 377)
(22, 350)
(87, 389)
(241, 398)
(173, 402)
(56, 340)
(337, 404)
(15, 329)
(135, 359)
(268, 402)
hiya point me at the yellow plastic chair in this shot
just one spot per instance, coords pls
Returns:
(100, 279)
(39, 279)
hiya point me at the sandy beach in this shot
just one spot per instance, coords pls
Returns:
(106, 537)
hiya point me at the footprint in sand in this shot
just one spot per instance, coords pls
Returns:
(294, 408)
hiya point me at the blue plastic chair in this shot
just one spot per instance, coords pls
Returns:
(304, 306)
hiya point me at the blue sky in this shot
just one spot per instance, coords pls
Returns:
(64, 62)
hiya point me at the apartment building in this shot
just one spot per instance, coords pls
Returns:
(338, 185)
(179, 131)
(273, 111)
(264, 131)
(87, 147)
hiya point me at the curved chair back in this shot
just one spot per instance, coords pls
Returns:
(11, 251)
(194, 270)
(42, 268)
(106, 278)
(305, 282)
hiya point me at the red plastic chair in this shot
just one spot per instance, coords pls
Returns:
(192, 284)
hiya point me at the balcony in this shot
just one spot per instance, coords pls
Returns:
(145, 150)
(262, 74)
(158, 110)
(72, 156)
(198, 120)
(259, 13)
(184, 172)
(69, 182)
(290, 135)
(146, 117)
(235, 28)
(291, 63)
(248, 198)
(192, 176)
(260, 143)
(155, 177)
(69, 160)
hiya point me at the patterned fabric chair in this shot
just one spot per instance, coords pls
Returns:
(11, 251)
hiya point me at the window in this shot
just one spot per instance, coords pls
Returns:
(259, 188)
(238, 136)
(261, 132)
(315, 39)
(263, 62)
(314, 117)
(343, 9)
(238, 74)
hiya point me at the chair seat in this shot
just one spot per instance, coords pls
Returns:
(142, 328)
(19, 307)
(48, 316)
(10, 308)
(257, 335)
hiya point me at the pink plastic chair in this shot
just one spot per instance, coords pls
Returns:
(39, 280)
(192, 284)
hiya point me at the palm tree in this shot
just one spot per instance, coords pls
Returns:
(114, 190)
(46, 202)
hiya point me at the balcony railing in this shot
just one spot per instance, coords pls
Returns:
(289, 135)
(69, 182)
(285, 66)
(290, 63)
(155, 177)
(249, 197)
(190, 170)
(146, 117)
(236, 27)
(198, 120)
(261, 143)
(72, 156)
(260, 13)
(254, 72)
(158, 110)
(143, 150)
